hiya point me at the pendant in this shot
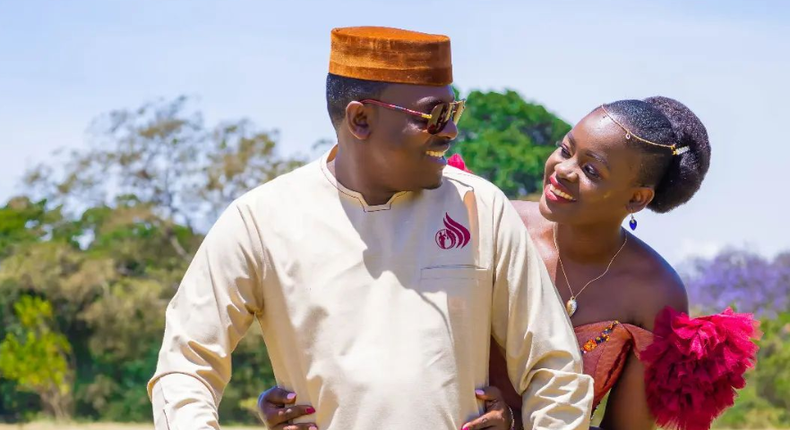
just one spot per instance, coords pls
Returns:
(571, 306)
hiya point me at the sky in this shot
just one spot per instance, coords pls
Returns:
(62, 64)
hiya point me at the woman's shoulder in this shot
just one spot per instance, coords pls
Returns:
(526, 208)
(657, 284)
(530, 215)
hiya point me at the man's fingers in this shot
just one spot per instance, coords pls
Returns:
(276, 408)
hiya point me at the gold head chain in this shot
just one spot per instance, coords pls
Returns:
(629, 134)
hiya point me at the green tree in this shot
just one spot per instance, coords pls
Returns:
(164, 157)
(37, 357)
(107, 237)
(23, 221)
(765, 402)
(751, 283)
(772, 376)
(506, 140)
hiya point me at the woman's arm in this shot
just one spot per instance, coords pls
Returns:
(627, 407)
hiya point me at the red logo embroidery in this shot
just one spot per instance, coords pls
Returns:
(454, 235)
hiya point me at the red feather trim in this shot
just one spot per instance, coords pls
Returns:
(458, 162)
(694, 366)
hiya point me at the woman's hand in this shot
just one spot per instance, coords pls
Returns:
(498, 415)
(277, 408)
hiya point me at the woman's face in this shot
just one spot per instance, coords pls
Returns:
(592, 176)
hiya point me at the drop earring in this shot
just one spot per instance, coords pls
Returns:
(632, 223)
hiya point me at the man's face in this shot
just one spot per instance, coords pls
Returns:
(399, 149)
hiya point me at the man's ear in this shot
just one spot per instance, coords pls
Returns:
(358, 120)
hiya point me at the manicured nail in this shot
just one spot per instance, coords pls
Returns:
(291, 396)
(309, 410)
(465, 427)
(313, 428)
(479, 392)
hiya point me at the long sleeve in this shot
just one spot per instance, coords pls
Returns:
(210, 313)
(543, 359)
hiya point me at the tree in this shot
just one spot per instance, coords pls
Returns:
(163, 157)
(106, 237)
(23, 221)
(765, 401)
(37, 357)
(749, 282)
(744, 280)
(507, 140)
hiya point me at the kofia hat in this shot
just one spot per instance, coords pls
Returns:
(391, 55)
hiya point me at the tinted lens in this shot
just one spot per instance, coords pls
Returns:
(459, 110)
(439, 117)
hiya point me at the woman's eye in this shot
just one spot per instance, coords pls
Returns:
(564, 151)
(591, 171)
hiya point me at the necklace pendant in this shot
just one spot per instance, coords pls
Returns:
(571, 306)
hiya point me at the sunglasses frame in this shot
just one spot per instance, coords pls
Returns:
(436, 121)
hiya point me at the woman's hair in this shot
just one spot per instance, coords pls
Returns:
(675, 177)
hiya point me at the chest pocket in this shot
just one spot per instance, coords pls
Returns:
(452, 272)
(464, 292)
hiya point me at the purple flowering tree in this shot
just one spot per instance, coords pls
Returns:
(746, 281)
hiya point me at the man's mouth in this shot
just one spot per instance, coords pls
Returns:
(436, 154)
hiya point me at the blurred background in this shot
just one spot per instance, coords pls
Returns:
(127, 127)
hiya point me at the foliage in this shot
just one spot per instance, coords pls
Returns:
(751, 283)
(37, 357)
(765, 402)
(506, 140)
(161, 158)
(105, 239)
(741, 279)
(93, 253)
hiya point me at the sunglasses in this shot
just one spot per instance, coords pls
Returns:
(440, 115)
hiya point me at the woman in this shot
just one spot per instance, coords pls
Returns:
(627, 305)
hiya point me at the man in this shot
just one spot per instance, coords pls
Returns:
(377, 275)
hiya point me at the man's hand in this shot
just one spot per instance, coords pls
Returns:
(277, 409)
